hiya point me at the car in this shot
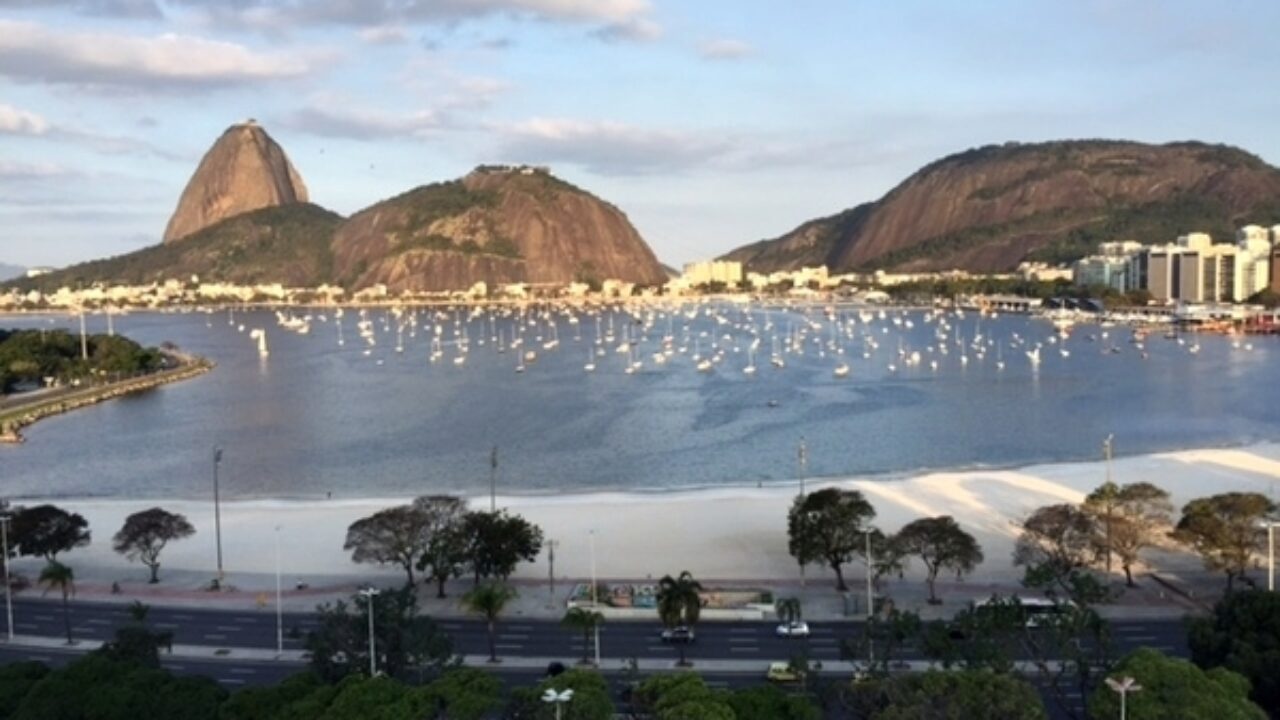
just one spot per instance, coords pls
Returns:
(796, 629)
(681, 634)
(782, 672)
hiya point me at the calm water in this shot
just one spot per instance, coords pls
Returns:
(316, 418)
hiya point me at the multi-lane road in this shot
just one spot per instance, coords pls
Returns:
(516, 638)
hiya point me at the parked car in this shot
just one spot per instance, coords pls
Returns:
(797, 629)
(681, 634)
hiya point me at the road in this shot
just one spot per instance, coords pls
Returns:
(516, 637)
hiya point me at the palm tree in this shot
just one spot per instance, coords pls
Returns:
(488, 601)
(789, 611)
(679, 603)
(55, 574)
(585, 620)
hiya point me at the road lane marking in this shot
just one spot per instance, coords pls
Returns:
(248, 621)
(226, 628)
(501, 646)
(43, 618)
(98, 621)
(212, 636)
(231, 681)
(40, 658)
(742, 640)
(744, 649)
(167, 626)
(175, 666)
(26, 626)
(244, 671)
(1139, 638)
(513, 636)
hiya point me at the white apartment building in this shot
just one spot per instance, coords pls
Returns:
(713, 271)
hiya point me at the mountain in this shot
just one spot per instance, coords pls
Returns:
(987, 209)
(287, 244)
(498, 225)
(244, 170)
(9, 272)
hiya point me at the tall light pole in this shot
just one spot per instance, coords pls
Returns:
(871, 645)
(802, 461)
(559, 699)
(84, 338)
(595, 604)
(279, 606)
(217, 510)
(1106, 454)
(551, 568)
(493, 480)
(1124, 686)
(1270, 525)
(370, 593)
(8, 589)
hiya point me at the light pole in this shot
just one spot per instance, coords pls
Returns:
(595, 603)
(551, 568)
(1106, 455)
(1270, 525)
(279, 607)
(370, 593)
(802, 461)
(217, 510)
(1124, 686)
(871, 645)
(8, 590)
(559, 699)
(493, 480)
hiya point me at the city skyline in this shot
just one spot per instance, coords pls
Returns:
(710, 126)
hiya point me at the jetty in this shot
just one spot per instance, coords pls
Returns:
(20, 414)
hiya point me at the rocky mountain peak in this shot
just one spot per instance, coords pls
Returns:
(245, 170)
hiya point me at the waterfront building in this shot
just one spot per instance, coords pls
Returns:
(713, 271)
(1100, 271)
(1275, 268)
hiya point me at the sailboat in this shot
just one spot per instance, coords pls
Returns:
(590, 365)
(750, 369)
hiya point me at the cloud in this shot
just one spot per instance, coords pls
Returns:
(129, 9)
(631, 30)
(11, 170)
(724, 49)
(384, 34)
(30, 52)
(619, 19)
(609, 148)
(16, 121)
(339, 120)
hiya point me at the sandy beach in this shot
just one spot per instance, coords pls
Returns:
(723, 534)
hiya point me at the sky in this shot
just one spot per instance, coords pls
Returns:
(711, 123)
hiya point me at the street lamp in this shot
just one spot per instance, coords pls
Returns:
(217, 510)
(8, 589)
(595, 603)
(1124, 686)
(279, 606)
(1270, 525)
(802, 461)
(559, 699)
(551, 568)
(871, 646)
(369, 594)
(1106, 455)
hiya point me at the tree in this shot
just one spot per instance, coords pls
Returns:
(581, 619)
(146, 533)
(1133, 518)
(497, 542)
(57, 575)
(767, 702)
(788, 610)
(681, 696)
(1102, 504)
(951, 695)
(446, 548)
(464, 694)
(135, 642)
(488, 601)
(394, 535)
(679, 603)
(1057, 542)
(1223, 530)
(100, 687)
(940, 543)
(46, 530)
(1175, 689)
(1242, 635)
(828, 526)
(408, 645)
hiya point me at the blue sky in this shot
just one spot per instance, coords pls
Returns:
(711, 123)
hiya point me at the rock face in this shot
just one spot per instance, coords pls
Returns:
(988, 209)
(245, 170)
(497, 225)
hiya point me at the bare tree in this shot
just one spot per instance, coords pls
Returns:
(394, 535)
(940, 543)
(146, 533)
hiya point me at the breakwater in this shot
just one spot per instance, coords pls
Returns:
(14, 420)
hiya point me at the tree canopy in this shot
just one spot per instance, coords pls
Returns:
(828, 526)
(498, 541)
(1223, 530)
(940, 543)
(1242, 635)
(146, 533)
(391, 536)
(1175, 689)
(409, 646)
(952, 695)
(1131, 518)
(47, 530)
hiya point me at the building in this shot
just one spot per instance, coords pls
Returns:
(1102, 271)
(1275, 268)
(1163, 279)
(713, 271)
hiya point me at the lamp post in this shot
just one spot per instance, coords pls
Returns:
(279, 606)
(1106, 455)
(551, 568)
(8, 590)
(1123, 686)
(493, 480)
(1270, 525)
(802, 461)
(217, 510)
(595, 603)
(559, 699)
(871, 645)
(369, 594)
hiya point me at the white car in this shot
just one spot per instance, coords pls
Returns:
(798, 628)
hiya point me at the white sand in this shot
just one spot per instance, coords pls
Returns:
(731, 533)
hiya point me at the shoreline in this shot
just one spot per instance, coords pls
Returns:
(13, 421)
(737, 533)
